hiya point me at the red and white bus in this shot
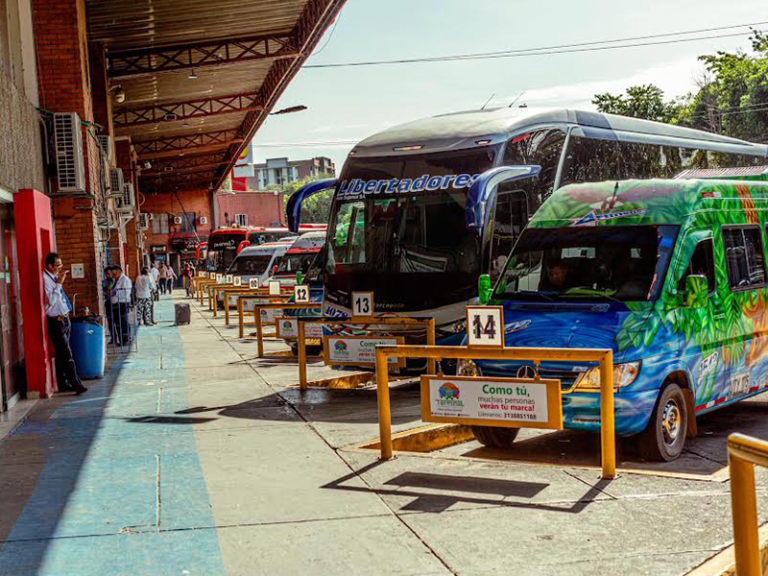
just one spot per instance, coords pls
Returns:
(226, 243)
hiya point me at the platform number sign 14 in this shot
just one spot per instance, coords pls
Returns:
(301, 294)
(485, 326)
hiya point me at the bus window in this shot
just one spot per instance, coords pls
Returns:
(744, 261)
(701, 264)
(539, 147)
(509, 220)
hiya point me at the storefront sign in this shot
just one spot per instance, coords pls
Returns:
(157, 248)
(512, 402)
(358, 350)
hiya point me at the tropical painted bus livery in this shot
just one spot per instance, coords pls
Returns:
(669, 274)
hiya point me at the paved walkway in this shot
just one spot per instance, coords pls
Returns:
(194, 457)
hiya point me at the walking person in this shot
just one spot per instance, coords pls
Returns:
(155, 273)
(121, 305)
(170, 279)
(58, 325)
(187, 277)
(162, 277)
(144, 288)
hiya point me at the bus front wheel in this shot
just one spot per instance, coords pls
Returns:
(664, 437)
(495, 437)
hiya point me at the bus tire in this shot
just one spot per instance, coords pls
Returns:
(664, 438)
(495, 436)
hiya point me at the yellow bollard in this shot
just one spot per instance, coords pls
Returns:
(259, 335)
(382, 394)
(302, 355)
(607, 420)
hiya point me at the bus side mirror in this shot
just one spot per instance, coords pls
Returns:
(696, 290)
(482, 193)
(484, 289)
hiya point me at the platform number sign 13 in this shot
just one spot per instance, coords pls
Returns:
(362, 303)
(485, 326)
(301, 294)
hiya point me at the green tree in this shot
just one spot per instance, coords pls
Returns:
(645, 101)
(315, 209)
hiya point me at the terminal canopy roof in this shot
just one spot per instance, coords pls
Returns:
(200, 77)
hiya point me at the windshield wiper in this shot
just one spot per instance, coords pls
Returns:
(511, 295)
(589, 292)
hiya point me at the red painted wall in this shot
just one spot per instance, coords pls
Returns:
(34, 231)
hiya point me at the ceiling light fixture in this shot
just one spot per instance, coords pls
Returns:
(192, 75)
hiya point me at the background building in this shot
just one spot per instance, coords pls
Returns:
(281, 171)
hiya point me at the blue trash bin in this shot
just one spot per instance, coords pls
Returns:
(88, 348)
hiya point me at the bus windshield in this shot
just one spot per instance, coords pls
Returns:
(293, 263)
(411, 232)
(219, 259)
(625, 263)
(250, 264)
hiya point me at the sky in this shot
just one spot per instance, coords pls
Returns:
(345, 105)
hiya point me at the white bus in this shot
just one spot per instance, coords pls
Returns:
(422, 209)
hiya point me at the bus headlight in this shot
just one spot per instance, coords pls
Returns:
(623, 375)
(467, 368)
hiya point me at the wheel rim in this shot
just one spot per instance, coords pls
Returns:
(671, 421)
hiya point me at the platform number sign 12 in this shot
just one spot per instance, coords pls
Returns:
(362, 303)
(301, 294)
(485, 326)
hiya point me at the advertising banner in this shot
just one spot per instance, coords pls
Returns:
(358, 350)
(511, 402)
(289, 328)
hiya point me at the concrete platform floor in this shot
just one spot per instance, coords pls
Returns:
(194, 457)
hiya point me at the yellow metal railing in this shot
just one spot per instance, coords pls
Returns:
(429, 324)
(535, 355)
(744, 452)
(259, 295)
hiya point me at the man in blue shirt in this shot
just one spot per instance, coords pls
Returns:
(58, 326)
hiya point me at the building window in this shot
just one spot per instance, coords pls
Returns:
(187, 222)
(241, 220)
(160, 224)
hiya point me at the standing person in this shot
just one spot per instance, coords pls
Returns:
(144, 288)
(170, 280)
(121, 305)
(163, 276)
(186, 278)
(106, 287)
(58, 324)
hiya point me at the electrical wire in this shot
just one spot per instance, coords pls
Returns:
(592, 46)
(336, 23)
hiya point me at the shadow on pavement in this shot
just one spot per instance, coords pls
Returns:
(409, 484)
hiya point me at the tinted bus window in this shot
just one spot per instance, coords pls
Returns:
(744, 260)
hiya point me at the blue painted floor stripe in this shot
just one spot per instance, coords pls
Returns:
(122, 490)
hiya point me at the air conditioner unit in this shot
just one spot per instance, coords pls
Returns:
(116, 182)
(144, 221)
(177, 219)
(203, 220)
(105, 142)
(68, 143)
(126, 201)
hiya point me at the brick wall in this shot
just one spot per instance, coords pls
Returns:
(75, 224)
(263, 208)
(198, 201)
(65, 86)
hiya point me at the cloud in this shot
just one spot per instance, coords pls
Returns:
(675, 78)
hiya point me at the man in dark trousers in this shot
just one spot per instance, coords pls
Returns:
(58, 325)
